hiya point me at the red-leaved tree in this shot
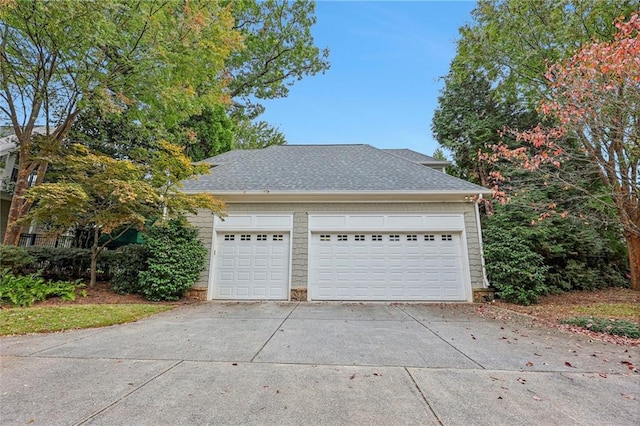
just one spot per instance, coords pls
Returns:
(594, 100)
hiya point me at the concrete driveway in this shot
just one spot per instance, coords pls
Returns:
(318, 363)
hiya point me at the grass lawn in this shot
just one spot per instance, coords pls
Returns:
(68, 317)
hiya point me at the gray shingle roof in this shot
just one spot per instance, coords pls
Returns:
(322, 168)
(416, 157)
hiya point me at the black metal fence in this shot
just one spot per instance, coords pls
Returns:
(42, 240)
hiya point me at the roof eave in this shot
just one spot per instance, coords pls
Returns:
(346, 196)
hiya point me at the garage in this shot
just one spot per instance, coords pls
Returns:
(350, 222)
(252, 258)
(398, 264)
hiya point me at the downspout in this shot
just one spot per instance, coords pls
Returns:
(484, 269)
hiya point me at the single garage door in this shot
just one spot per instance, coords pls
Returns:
(386, 266)
(252, 266)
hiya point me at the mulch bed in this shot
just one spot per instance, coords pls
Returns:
(551, 309)
(102, 293)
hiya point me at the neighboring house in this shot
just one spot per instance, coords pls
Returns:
(339, 222)
(8, 178)
(8, 173)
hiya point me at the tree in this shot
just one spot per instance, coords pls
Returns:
(468, 120)
(112, 196)
(162, 61)
(256, 135)
(595, 101)
(439, 154)
(279, 50)
(511, 41)
(207, 134)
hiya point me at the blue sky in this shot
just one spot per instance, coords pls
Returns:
(382, 88)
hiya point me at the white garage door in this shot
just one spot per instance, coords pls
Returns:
(252, 266)
(386, 266)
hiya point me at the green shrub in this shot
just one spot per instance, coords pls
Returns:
(577, 255)
(176, 258)
(514, 269)
(17, 259)
(25, 290)
(62, 263)
(128, 262)
(609, 326)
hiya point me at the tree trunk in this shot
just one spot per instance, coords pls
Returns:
(633, 247)
(14, 229)
(95, 252)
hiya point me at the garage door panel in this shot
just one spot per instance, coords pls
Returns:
(392, 266)
(252, 266)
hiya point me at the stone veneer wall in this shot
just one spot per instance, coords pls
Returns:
(300, 244)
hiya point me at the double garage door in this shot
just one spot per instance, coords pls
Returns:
(342, 265)
(377, 266)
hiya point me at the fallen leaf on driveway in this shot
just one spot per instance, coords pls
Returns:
(529, 364)
(352, 376)
(603, 375)
(628, 364)
(537, 398)
(521, 380)
(628, 396)
(568, 364)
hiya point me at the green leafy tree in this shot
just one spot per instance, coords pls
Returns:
(511, 41)
(279, 50)
(115, 134)
(255, 135)
(112, 196)
(439, 154)
(594, 101)
(161, 60)
(569, 198)
(207, 134)
(469, 119)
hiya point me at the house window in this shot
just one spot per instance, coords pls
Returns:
(447, 238)
(394, 237)
(412, 238)
(429, 237)
(359, 237)
(376, 238)
(261, 237)
(245, 237)
(277, 237)
(325, 237)
(229, 237)
(342, 238)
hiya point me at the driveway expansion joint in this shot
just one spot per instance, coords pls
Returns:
(105, 408)
(275, 332)
(426, 401)
(440, 337)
